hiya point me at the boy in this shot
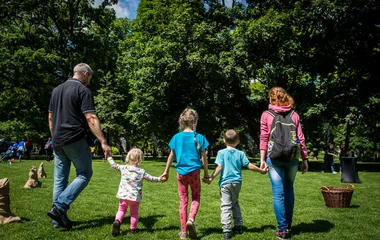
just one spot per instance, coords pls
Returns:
(229, 162)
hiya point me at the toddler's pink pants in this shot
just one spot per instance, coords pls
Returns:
(133, 209)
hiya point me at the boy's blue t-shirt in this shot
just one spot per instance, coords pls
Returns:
(232, 160)
(186, 152)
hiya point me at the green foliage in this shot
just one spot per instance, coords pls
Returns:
(219, 60)
(115, 151)
(93, 212)
(40, 45)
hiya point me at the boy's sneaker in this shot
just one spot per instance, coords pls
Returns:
(227, 235)
(289, 229)
(60, 217)
(182, 235)
(237, 229)
(282, 235)
(55, 224)
(116, 228)
(191, 229)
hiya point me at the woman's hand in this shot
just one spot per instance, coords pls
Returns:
(304, 166)
(263, 165)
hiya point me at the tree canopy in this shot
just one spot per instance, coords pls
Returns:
(219, 59)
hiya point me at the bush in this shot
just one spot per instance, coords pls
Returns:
(115, 151)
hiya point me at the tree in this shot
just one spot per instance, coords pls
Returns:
(41, 42)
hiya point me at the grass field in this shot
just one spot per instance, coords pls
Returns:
(94, 210)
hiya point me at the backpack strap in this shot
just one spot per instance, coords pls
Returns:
(271, 112)
(290, 114)
(274, 114)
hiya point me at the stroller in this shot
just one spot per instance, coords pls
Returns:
(9, 154)
(4, 157)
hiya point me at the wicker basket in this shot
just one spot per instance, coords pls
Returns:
(338, 197)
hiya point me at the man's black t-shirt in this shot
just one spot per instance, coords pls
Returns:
(68, 103)
(330, 150)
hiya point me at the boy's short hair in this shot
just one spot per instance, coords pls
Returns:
(135, 155)
(231, 137)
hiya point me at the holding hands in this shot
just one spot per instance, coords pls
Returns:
(263, 170)
(164, 177)
(207, 180)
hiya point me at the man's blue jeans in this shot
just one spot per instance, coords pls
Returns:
(79, 154)
(282, 175)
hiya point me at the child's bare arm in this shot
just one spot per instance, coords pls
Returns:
(257, 169)
(213, 175)
(165, 175)
(205, 164)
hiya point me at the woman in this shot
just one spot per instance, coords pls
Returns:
(282, 172)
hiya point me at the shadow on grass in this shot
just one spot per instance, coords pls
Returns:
(80, 225)
(260, 229)
(316, 166)
(148, 222)
(210, 231)
(318, 226)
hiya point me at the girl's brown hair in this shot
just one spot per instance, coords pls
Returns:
(134, 156)
(278, 96)
(188, 118)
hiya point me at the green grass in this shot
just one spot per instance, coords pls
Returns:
(94, 210)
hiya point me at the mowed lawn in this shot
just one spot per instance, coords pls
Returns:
(94, 210)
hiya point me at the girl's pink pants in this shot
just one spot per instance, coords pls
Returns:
(192, 179)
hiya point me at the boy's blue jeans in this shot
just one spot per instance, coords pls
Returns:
(282, 175)
(79, 154)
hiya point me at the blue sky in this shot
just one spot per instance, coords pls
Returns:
(128, 8)
(125, 8)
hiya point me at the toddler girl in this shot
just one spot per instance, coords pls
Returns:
(130, 188)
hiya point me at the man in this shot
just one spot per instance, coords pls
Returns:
(329, 158)
(28, 148)
(71, 113)
(123, 145)
(123, 148)
(48, 149)
(21, 149)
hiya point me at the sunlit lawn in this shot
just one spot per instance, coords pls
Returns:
(94, 211)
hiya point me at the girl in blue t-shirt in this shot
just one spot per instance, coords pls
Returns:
(188, 148)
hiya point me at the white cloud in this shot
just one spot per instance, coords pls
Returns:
(124, 8)
(121, 11)
(228, 3)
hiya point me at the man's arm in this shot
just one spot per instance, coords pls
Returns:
(94, 124)
(50, 121)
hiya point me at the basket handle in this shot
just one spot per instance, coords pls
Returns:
(351, 186)
(326, 188)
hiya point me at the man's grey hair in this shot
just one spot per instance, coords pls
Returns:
(81, 68)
